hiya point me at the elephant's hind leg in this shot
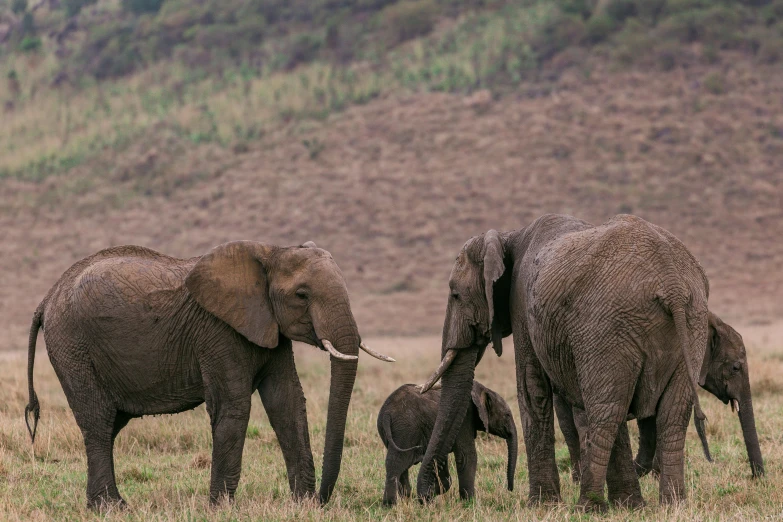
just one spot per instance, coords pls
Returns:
(397, 482)
(607, 396)
(672, 417)
(99, 422)
(621, 480)
(405, 484)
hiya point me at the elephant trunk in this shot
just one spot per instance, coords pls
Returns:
(511, 468)
(748, 423)
(343, 375)
(457, 383)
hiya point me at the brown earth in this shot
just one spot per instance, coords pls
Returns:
(395, 187)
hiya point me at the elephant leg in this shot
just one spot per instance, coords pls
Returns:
(646, 460)
(565, 419)
(621, 480)
(672, 417)
(466, 459)
(98, 421)
(606, 408)
(396, 465)
(405, 484)
(284, 402)
(227, 396)
(534, 394)
(442, 476)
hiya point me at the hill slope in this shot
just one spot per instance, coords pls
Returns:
(393, 188)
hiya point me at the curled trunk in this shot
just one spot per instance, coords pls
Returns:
(343, 375)
(748, 423)
(454, 400)
(511, 467)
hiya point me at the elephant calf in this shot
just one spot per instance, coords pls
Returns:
(405, 424)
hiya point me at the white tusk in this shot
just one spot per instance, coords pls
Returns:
(331, 349)
(734, 404)
(376, 354)
(437, 374)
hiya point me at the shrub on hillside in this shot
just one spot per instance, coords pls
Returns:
(142, 6)
(74, 7)
(408, 19)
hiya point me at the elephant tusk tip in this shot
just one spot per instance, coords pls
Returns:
(375, 354)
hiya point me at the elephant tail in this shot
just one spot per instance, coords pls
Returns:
(33, 407)
(388, 431)
(681, 326)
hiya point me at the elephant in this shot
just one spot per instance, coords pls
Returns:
(724, 373)
(133, 332)
(612, 317)
(405, 424)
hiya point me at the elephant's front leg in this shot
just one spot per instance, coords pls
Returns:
(284, 402)
(565, 418)
(534, 394)
(646, 460)
(467, 460)
(229, 428)
(621, 480)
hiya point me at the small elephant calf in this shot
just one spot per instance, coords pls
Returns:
(405, 424)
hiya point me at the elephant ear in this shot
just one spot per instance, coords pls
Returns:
(494, 268)
(713, 341)
(231, 283)
(482, 401)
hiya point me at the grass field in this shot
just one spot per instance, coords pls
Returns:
(162, 463)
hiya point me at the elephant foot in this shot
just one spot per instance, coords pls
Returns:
(593, 503)
(631, 501)
(104, 504)
(218, 499)
(543, 496)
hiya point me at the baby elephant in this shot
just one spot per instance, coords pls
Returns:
(405, 424)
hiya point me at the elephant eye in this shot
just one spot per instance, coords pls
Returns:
(455, 296)
(736, 368)
(301, 293)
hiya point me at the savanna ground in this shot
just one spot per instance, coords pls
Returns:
(162, 463)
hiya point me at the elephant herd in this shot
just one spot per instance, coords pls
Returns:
(610, 323)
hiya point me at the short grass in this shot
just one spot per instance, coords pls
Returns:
(162, 463)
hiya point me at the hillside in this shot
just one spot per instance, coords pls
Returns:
(393, 188)
(393, 155)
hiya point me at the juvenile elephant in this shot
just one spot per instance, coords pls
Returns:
(405, 424)
(724, 373)
(133, 332)
(612, 317)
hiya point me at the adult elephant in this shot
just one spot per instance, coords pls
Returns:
(133, 332)
(724, 373)
(612, 317)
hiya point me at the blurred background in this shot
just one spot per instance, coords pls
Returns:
(388, 132)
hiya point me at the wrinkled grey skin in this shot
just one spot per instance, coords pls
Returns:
(724, 373)
(133, 332)
(612, 317)
(405, 424)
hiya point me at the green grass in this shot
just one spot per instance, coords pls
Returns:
(162, 463)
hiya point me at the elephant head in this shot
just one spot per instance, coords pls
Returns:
(265, 292)
(724, 373)
(496, 419)
(476, 314)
